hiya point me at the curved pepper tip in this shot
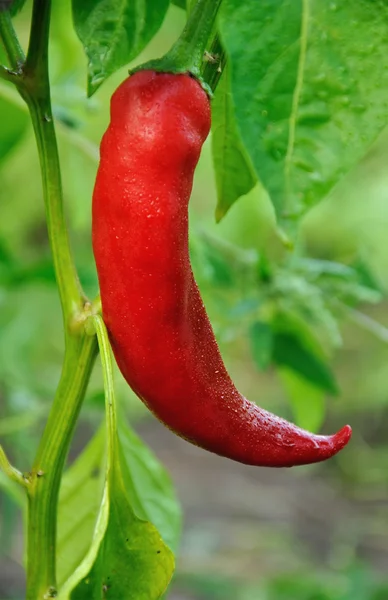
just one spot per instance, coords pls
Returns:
(324, 447)
(342, 437)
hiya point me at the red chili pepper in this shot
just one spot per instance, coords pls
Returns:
(159, 330)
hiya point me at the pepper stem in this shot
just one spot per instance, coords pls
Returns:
(186, 55)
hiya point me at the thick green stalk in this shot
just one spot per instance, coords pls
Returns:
(36, 93)
(70, 292)
(48, 465)
(80, 350)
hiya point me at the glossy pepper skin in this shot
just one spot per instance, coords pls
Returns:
(159, 330)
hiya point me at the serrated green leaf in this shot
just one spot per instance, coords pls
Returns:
(307, 400)
(309, 92)
(261, 338)
(114, 32)
(149, 487)
(296, 347)
(235, 176)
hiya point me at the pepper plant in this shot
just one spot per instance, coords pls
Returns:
(285, 125)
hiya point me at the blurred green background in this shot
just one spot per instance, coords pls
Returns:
(312, 533)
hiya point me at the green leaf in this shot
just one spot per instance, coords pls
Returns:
(180, 3)
(354, 293)
(235, 176)
(127, 558)
(366, 276)
(261, 338)
(13, 274)
(307, 400)
(219, 268)
(309, 93)
(12, 128)
(17, 6)
(114, 32)
(289, 351)
(315, 268)
(296, 347)
(6, 258)
(149, 487)
(209, 260)
(310, 302)
(79, 501)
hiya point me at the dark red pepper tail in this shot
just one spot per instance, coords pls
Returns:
(332, 445)
(266, 440)
(316, 448)
(341, 438)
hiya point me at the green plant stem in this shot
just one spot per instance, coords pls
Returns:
(71, 296)
(48, 465)
(36, 62)
(10, 41)
(37, 96)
